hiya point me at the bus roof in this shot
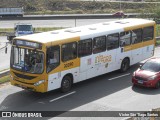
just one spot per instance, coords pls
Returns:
(87, 30)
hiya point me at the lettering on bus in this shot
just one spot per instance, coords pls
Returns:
(103, 59)
(68, 64)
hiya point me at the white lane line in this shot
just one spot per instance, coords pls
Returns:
(62, 96)
(119, 76)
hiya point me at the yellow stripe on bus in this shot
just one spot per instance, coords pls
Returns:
(67, 65)
(138, 45)
(139, 26)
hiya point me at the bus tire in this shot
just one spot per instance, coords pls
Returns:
(66, 84)
(125, 65)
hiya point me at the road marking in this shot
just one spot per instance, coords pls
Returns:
(119, 76)
(62, 96)
(41, 102)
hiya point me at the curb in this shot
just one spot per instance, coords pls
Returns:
(4, 73)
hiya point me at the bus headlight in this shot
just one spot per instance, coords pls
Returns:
(39, 82)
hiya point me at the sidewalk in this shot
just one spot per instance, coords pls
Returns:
(3, 41)
(2, 46)
(5, 58)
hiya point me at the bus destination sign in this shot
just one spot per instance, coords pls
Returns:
(28, 44)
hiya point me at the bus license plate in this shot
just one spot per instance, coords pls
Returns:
(140, 81)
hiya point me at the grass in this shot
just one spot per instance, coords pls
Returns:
(158, 30)
(4, 79)
(45, 29)
(157, 42)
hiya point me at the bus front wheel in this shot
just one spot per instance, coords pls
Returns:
(125, 65)
(66, 84)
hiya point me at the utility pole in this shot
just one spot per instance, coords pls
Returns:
(120, 5)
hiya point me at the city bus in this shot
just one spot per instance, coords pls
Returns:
(47, 61)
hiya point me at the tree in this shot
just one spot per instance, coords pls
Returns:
(156, 14)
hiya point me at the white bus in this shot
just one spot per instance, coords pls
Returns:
(56, 59)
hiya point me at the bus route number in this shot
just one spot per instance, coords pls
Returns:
(68, 65)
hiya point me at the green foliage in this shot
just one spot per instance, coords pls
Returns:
(4, 79)
(75, 6)
(158, 30)
(157, 42)
(156, 12)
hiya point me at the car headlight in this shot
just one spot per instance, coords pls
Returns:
(152, 77)
(39, 82)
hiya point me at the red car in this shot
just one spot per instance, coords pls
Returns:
(119, 14)
(148, 74)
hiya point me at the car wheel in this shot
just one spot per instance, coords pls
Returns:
(124, 65)
(66, 84)
(157, 85)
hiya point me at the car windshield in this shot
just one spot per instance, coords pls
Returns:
(152, 66)
(24, 27)
(27, 60)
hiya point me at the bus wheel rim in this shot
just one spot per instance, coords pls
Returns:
(66, 83)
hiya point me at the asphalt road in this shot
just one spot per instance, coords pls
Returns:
(53, 23)
(109, 92)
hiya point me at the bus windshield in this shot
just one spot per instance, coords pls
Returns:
(27, 60)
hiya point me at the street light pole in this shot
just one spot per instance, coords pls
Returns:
(120, 5)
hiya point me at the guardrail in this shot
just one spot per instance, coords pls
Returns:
(4, 73)
(158, 38)
(71, 16)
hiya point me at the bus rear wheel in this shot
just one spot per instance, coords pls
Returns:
(125, 65)
(66, 84)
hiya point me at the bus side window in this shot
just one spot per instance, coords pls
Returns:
(112, 41)
(53, 57)
(148, 33)
(69, 51)
(125, 38)
(84, 47)
(136, 36)
(99, 44)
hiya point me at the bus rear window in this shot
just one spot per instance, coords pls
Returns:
(148, 33)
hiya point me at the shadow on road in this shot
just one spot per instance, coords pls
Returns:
(145, 90)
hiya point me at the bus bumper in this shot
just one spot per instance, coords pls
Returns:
(32, 87)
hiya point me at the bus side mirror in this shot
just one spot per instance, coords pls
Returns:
(15, 28)
(140, 66)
